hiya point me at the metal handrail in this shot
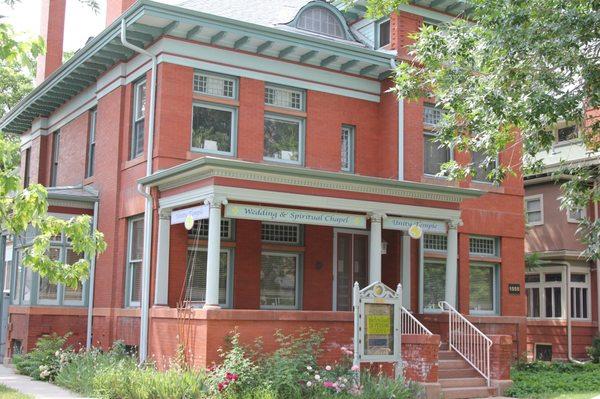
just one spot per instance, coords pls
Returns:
(468, 341)
(411, 325)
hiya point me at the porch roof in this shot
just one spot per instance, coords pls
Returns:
(208, 166)
(82, 197)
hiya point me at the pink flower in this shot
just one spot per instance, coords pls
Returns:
(355, 368)
(328, 384)
(221, 386)
(231, 376)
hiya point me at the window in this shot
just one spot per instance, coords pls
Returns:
(483, 246)
(383, 33)
(47, 291)
(482, 172)
(576, 215)
(434, 284)
(213, 128)
(435, 242)
(8, 257)
(284, 139)
(55, 155)
(196, 276)
(534, 210)
(552, 295)
(279, 280)
(284, 97)
(567, 133)
(215, 85)
(320, 20)
(543, 352)
(580, 296)
(200, 229)
(544, 294)
(139, 116)
(91, 147)
(134, 261)
(281, 233)
(347, 155)
(484, 289)
(434, 155)
(72, 295)
(27, 168)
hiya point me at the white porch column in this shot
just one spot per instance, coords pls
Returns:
(452, 263)
(406, 270)
(375, 248)
(161, 291)
(214, 252)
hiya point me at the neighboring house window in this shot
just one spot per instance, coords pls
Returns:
(284, 97)
(567, 133)
(347, 153)
(320, 20)
(580, 295)
(55, 157)
(532, 292)
(283, 233)
(534, 210)
(91, 147)
(284, 139)
(434, 284)
(482, 172)
(214, 128)
(8, 257)
(196, 276)
(200, 229)
(434, 155)
(483, 288)
(134, 261)
(545, 291)
(215, 85)
(27, 169)
(383, 33)
(576, 215)
(139, 117)
(280, 280)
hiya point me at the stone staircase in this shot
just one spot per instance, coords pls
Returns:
(459, 380)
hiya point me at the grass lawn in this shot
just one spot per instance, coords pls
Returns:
(576, 395)
(9, 393)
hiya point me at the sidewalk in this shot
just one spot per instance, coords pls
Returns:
(28, 386)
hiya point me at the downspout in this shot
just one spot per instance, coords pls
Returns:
(400, 131)
(90, 313)
(148, 209)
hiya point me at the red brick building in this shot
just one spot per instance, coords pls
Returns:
(277, 115)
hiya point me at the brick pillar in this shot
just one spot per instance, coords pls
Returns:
(52, 29)
(420, 356)
(500, 357)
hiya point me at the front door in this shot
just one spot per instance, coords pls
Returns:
(351, 265)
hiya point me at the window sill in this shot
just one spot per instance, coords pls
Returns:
(432, 179)
(285, 111)
(134, 162)
(88, 181)
(485, 259)
(216, 100)
(275, 161)
(487, 186)
(567, 143)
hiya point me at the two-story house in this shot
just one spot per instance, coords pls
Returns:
(247, 164)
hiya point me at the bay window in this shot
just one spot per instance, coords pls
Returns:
(580, 296)
(214, 128)
(280, 280)
(283, 139)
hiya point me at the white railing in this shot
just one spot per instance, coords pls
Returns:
(468, 341)
(410, 324)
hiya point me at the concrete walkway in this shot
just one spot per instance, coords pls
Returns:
(28, 386)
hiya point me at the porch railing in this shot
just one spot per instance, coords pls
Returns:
(468, 341)
(411, 325)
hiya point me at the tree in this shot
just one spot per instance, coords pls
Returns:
(504, 73)
(23, 208)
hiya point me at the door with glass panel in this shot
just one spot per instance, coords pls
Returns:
(351, 265)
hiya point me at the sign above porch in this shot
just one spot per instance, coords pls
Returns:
(286, 215)
(404, 224)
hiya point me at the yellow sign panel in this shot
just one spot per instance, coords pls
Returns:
(379, 325)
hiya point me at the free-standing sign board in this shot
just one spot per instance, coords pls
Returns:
(377, 327)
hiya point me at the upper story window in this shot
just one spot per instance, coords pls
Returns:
(321, 20)
(284, 97)
(567, 133)
(214, 128)
(139, 116)
(91, 147)
(347, 148)
(383, 33)
(576, 215)
(27, 168)
(55, 157)
(534, 210)
(482, 172)
(215, 85)
(284, 139)
(435, 155)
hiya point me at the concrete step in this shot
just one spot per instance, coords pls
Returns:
(468, 392)
(464, 372)
(462, 382)
(448, 355)
(445, 364)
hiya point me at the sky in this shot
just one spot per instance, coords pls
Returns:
(80, 22)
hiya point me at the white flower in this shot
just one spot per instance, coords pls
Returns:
(309, 368)
(308, 383)
(317, 377)
(328, 368)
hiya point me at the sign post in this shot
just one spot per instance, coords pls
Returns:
(377, 326)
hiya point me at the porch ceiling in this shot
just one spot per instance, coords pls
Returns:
(207, 167)
(147, 21)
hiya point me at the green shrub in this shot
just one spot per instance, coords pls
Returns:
(594, 350)
(540, 379)
(45, 360)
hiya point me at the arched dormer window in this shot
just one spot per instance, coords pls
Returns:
(321, 20)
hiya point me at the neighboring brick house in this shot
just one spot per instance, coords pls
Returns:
(551, 233)
(272, 113)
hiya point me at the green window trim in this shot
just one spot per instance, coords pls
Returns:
(129, 303)
(228, 304)
(299, 278)
(495, 311)
(301, 139)
(233, 129)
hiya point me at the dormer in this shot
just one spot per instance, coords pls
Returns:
(321, 18)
